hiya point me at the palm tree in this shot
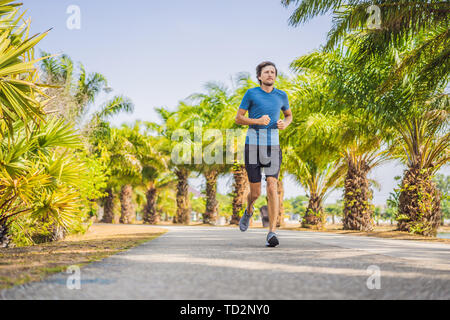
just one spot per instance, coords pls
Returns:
(39, 177)
(426, 22)
(74, 90)
(312, 157)
(154, 175)
(183, 204)
(105, 143)
(423, 146)
(128, 209)
(21, 96)
(318, 181)
(364, 139)
(38, 173)
(182, 166)
(418, 113)
(360, 157)
(214, 110)
(58, 73)
(87, 88)
(154, 190)
(312, 144)
(108, 206)
(124, 169)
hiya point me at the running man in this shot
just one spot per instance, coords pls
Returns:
(262, 146)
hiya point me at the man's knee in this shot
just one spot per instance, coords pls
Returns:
(272, 186)
(255, 194)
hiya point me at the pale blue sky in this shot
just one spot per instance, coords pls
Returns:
(159, 52)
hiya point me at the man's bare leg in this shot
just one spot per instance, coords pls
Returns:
(273, 205)
(253, 195)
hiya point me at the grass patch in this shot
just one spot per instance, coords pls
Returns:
(28, 264)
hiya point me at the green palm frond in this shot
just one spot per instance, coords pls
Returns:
(63, 169)
(88, 86)
(59, 208)
(19, 92)
(423, 24)
(308, 9)
(17, 194)
(115, 106)
(57, 133)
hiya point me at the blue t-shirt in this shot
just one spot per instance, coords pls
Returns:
(259, 103)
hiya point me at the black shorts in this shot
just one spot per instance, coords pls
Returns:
(258, 157)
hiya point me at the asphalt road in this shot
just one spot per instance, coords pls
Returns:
(223, 263)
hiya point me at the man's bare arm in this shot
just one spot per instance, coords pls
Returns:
(283, 124)
(243, 120)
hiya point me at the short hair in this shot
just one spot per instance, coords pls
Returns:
(261, 66)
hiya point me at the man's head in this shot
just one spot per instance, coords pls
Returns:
(266, 73)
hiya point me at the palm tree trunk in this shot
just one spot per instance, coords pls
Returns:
(58, 233)
(108, 211)
(314, 216)
(150, 214)
(183, 204)
(128, 213)
(280, 220)
(240, 192)
(419, 208)
(358, 212)
(5, 239)
(210, 216)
